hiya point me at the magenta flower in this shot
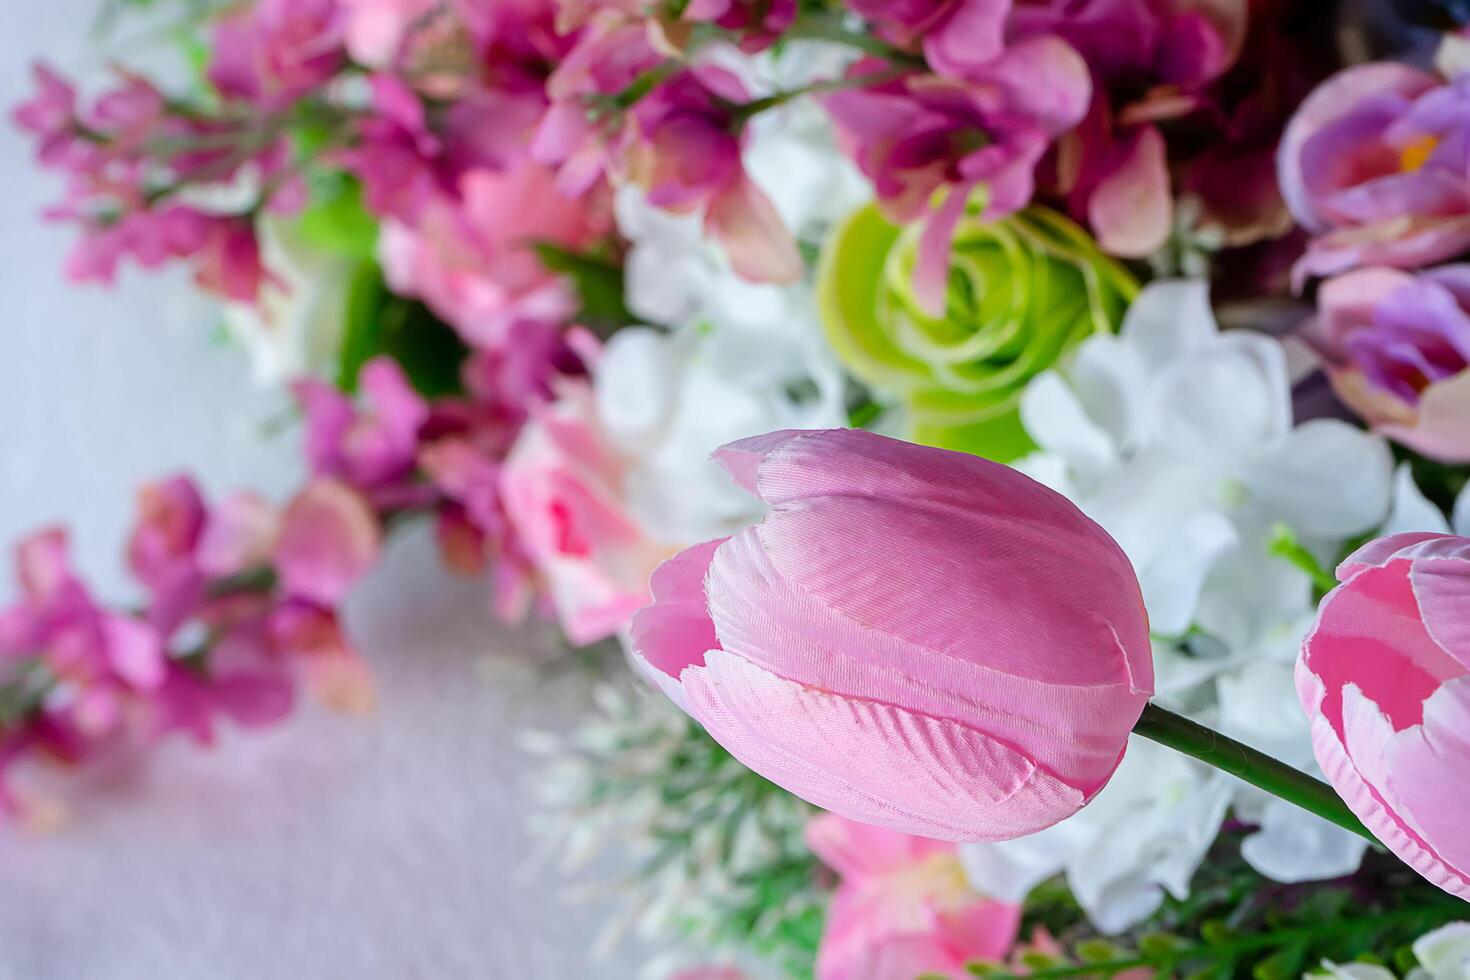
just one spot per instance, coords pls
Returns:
(1384, 677)
(686, 152)
(1374, 165)
(917, 136)
(1152, 63)
(959, 37)
(813, 646)
(275, 51)
(904, 907)
(759, 22)
(1397, 347)
(372, 446)
(473, 260)
(51, 117)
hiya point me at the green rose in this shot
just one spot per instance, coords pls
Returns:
(1022, 292)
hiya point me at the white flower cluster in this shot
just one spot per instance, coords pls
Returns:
(733, 358)
(1179, 440)
(711, 858)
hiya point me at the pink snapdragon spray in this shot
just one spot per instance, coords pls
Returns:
(241, 601)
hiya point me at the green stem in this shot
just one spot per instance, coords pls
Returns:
(1256, 768)
(776, 99)
(830, 27)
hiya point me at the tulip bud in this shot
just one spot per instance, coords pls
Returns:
(1384, 677)
(918, 639)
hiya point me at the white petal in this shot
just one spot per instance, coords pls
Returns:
(1169, 318)
(1411, 510)
(1445, 952)
(636, 385)
(1058, 422)
(1327, 479)
(1172, 583)
(1462, 513)
(1009, 870)
(1110, 381)
(1294, 845)
(1219, 404)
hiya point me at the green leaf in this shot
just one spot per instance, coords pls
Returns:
(599, 285)
(335, 221)
(1156, 944)
(380, 323)
(1098, 951)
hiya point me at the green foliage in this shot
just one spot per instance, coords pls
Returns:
(599, 283)
(379, 322)
(722, 866)
(335, 221)
(1236, 925)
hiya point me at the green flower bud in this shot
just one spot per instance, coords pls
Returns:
(1023, 291)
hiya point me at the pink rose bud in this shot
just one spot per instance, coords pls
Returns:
(918, 639)
(1385, 678)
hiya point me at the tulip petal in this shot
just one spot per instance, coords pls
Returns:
(1443, 590)
(858, 758)
(1419, 762)
(1359, 768)
(781, 626)
(675, 631)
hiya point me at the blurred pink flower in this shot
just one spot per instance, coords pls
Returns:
(1397, 347)
(759, 22)
(373, 30)
(51, 117)
(1384, 677)
(904, 907)
(959, 37)
(328, 539)
(1373, 164)
(686, 152)
(917, 136)
(811, 645)
(561, 488)
(473, 260)
(371, 445)
(273, 51)
(228, 261)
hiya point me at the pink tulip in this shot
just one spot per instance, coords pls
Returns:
(918, 639)
(1385, 679)
(904, 907)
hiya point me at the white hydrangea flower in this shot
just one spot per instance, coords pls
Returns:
(1179, 440)
(1145, 833)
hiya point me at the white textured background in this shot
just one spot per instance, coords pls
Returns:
(327, 847)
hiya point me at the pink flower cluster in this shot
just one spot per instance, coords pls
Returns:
(241, 601)
(124, 155)
(1374, 165)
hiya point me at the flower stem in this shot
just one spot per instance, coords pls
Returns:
(1256, 768)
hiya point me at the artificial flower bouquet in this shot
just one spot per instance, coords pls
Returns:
(1011, 453)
